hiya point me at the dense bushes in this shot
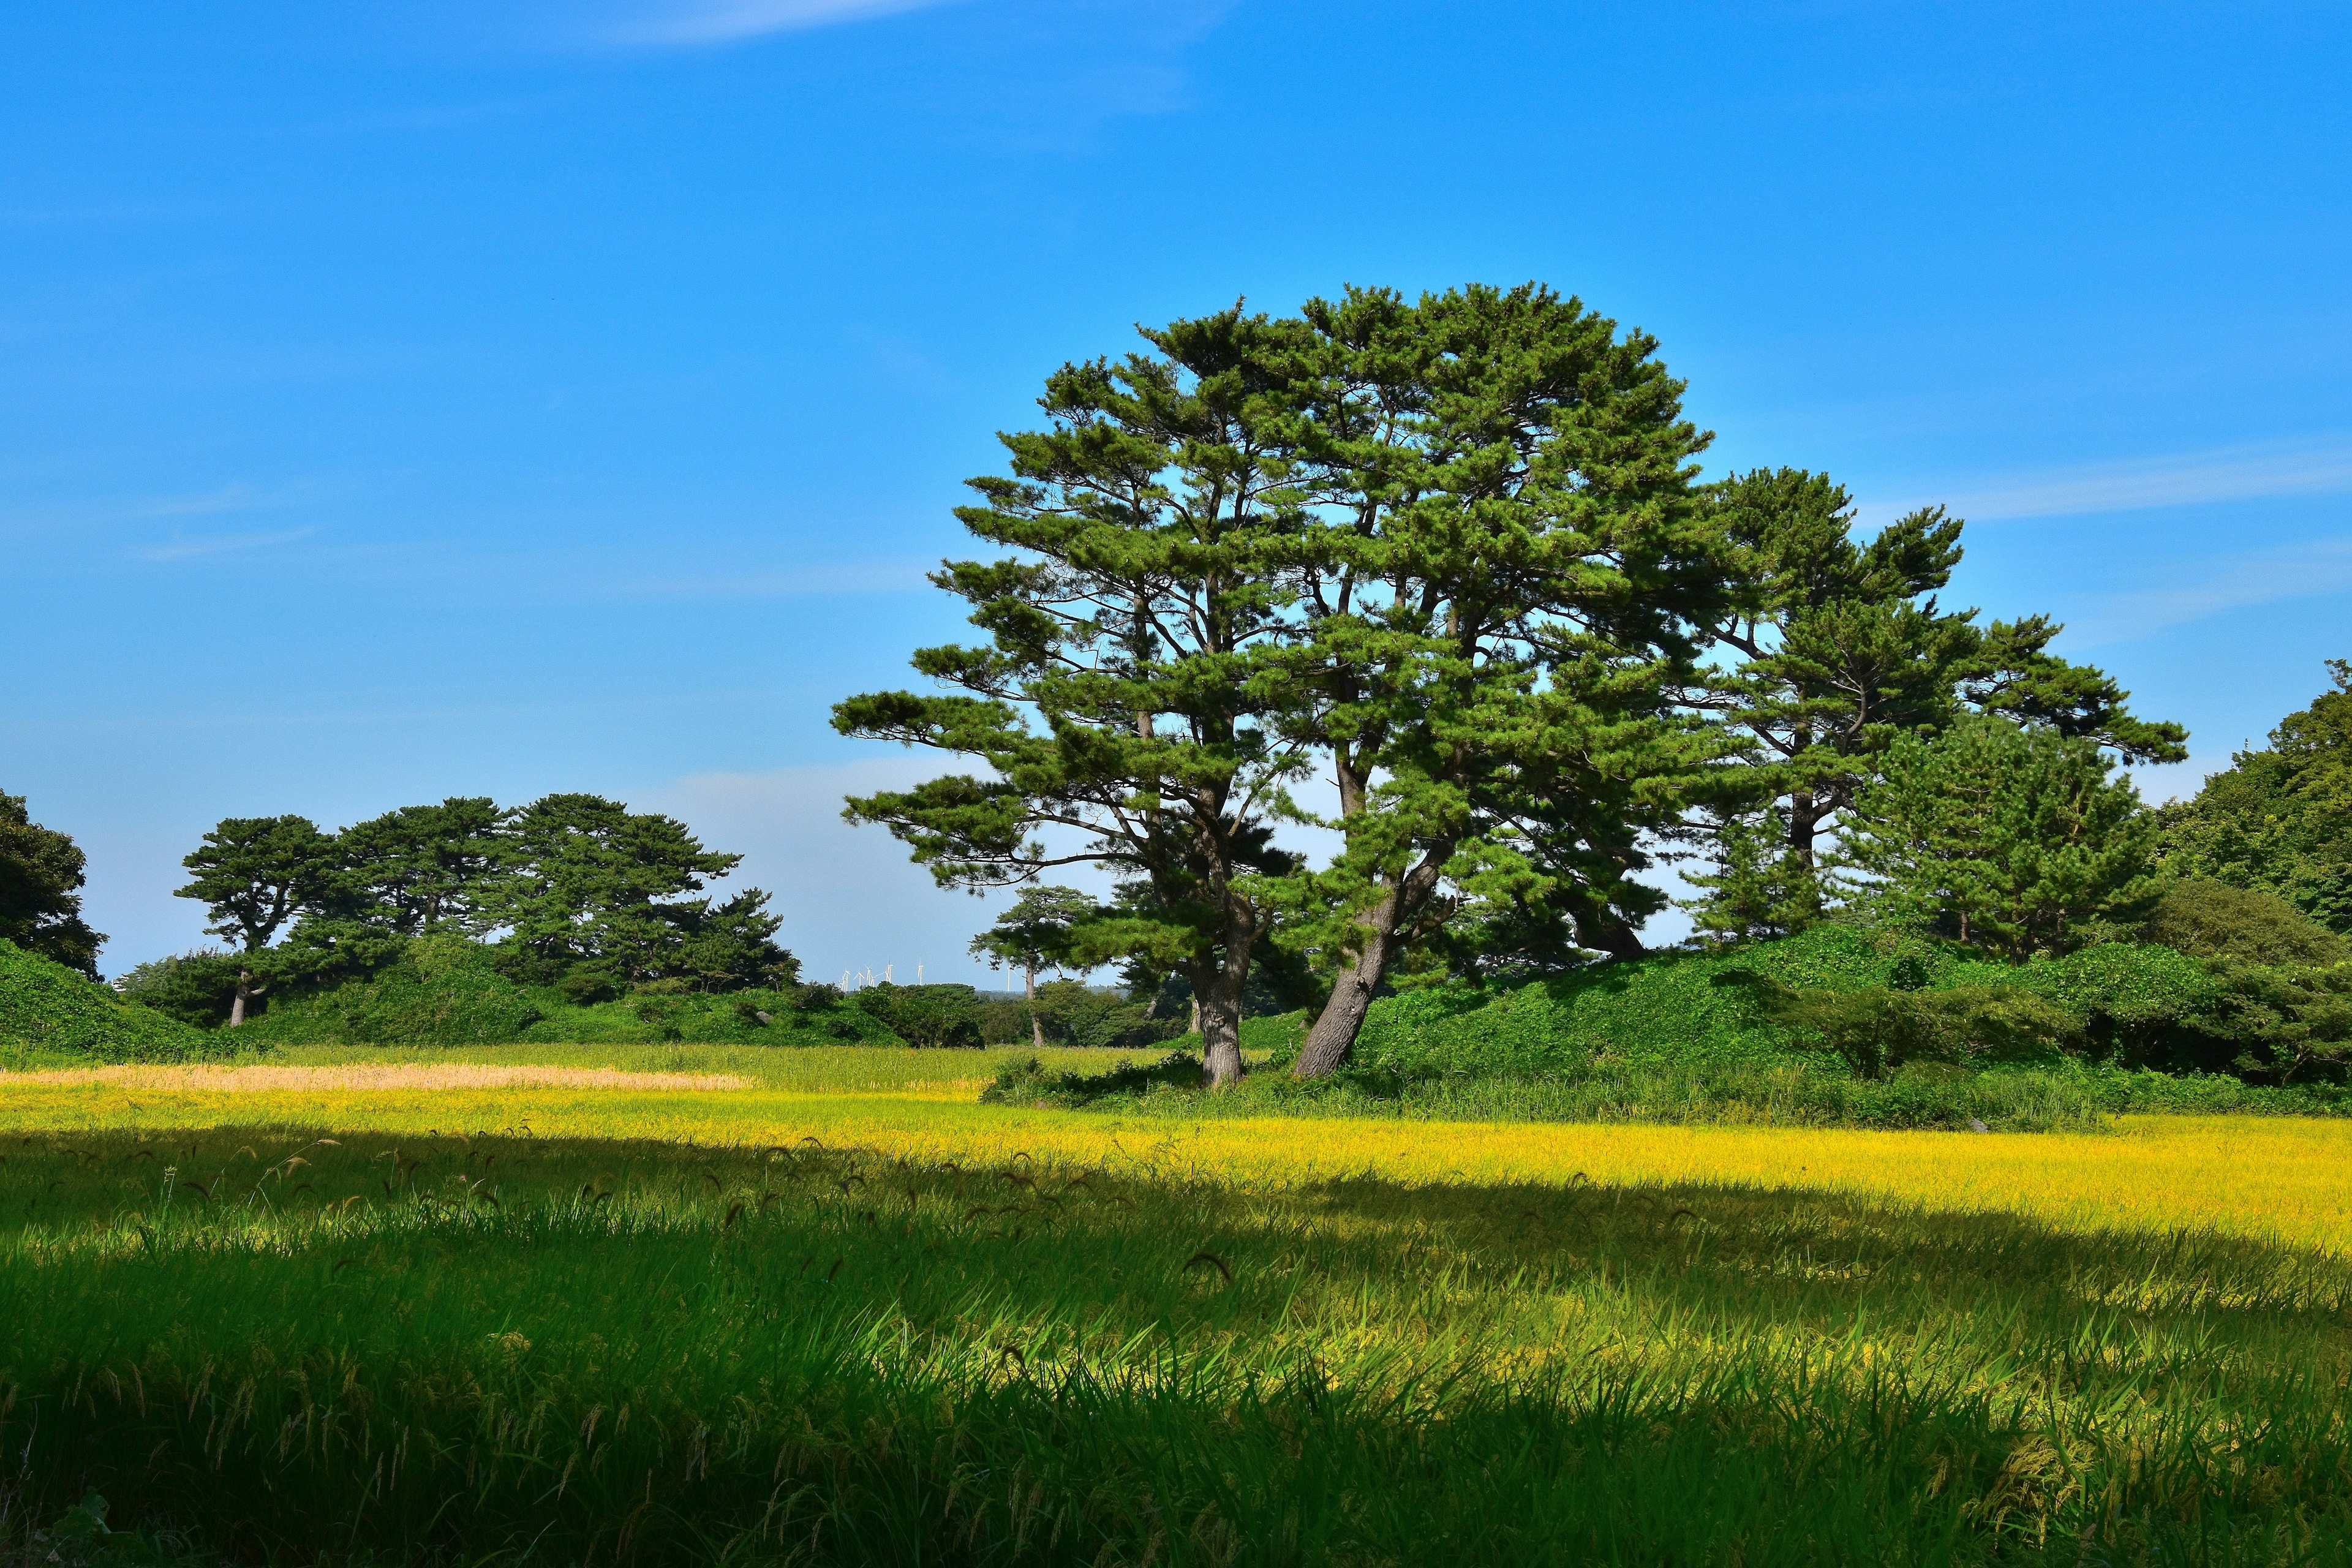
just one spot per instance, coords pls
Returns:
(1868, 1001)
(50, 1010)
(1072, 1012)
(442, 991)
(928, 1016)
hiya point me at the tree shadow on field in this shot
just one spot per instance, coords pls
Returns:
(1489, 1358)
(1746, 1251)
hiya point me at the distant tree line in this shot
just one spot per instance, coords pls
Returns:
(573, 891)
(1452, 557)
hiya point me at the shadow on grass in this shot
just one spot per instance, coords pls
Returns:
(901, 1361)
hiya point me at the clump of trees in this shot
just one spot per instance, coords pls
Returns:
(573, 891)
(2280, 818)
(1452, 556)
(41, 876)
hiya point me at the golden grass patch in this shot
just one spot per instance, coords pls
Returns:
(2276, 1179)
(216, 1078)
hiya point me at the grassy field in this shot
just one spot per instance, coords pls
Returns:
(846, 1314)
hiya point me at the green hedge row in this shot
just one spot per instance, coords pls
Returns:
(2129, 1002)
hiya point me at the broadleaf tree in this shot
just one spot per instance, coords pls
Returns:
(2280, 816)
(1124, 711)
(41, 876)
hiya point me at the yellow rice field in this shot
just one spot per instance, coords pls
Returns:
(2281, 1180)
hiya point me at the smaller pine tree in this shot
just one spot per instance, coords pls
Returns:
(1760, 887)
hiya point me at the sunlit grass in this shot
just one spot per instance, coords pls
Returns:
(777, 1324)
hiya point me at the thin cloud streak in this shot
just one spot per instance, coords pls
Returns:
(227, 499)
(182, 550)
(2305, 572)
(2233, 473)
(732, 20)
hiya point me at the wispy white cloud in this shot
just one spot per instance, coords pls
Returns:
(2308, 571)
(796, 582)
(181, 549)
(691, 22)
(230, 497)
(2232, 473)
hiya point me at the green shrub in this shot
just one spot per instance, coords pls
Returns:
(2244, 925)
(2134, 1004)
(699, 1018)
(197, 988)
(2293, 1020)
(1875, 1030)
(932, 1016)
(48, 1010)
(442, 991)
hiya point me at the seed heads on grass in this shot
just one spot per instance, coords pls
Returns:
(1213, 1261)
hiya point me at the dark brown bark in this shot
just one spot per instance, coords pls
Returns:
(1333, 1035)
(1804, 822)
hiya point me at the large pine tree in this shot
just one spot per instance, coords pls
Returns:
(1125, 709)
(1843, 648)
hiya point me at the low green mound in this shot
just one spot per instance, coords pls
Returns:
(448, 992)
(1715, 1012)
(48, 1010)
(733, 1018)
(441, 992)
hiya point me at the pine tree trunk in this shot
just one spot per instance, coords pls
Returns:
(1333, 1035)
(1037, 1027)
(1804, 822)
(1221, 1045)
(237, 1008)
(1217, 1012)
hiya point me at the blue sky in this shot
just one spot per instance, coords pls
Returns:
(406, 400)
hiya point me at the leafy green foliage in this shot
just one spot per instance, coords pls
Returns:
(590, 882)
(2280, 818)
(50, 1010)
(932, 1017)
(1874, 1030)
(1035, 934)
(1130, 692)
(2003, 838)
(1676, 1013)
(1761, 886)
(255, 874)
(41, 876)
(1072, 1013)
(1503, 565)
(420, 868)
(1844, 649)
(2244, 925)
(2294, 1019)
(197, 988)
(1127, 696)
(441, 991)
(447, 991)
